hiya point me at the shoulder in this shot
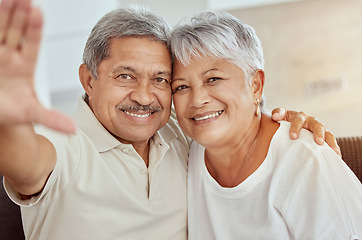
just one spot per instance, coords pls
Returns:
(61, 140)
(315, 176)
(302, 159)
(302, 147)
(305, 137)
(71, 149)
(304, 156)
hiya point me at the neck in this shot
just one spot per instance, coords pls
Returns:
(143, 149)
(232, 164)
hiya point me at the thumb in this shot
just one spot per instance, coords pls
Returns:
(278, 114)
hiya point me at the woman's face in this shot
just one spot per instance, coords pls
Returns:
(214, 102)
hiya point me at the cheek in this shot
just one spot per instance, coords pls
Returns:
(244, 108)
(180, 104)
(165, 99)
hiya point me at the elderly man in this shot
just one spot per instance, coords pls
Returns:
(120, 171)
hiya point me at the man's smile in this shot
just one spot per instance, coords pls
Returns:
(138, 115)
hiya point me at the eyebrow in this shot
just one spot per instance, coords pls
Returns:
(177, 79)
(124, 68)
(165, 74)
(204, 73)
(210, 70)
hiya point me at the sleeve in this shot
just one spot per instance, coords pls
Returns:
(68, 159)
(324, 200)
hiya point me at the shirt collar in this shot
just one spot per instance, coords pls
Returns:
(102, 139)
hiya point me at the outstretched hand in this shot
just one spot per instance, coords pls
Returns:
(301, 120)
(20, 37)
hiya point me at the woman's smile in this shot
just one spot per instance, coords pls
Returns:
(206, 116)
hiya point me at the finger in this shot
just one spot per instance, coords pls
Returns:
(55, 120)
(296, 120)
(16, 28)
(332, 142)
(33, 34)
(317, 128)
(6, 7)
(278, 114)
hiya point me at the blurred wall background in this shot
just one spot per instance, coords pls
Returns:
(313, 54)
(313, 51)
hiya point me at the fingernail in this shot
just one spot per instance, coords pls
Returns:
(320, 141)
(277, 116)
(294, 135)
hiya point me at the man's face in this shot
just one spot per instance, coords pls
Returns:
(132, 95)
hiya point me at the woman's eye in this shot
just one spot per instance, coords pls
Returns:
(181, 87)
(213, 79)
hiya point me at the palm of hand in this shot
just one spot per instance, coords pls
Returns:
(20, 36)
(20, 39)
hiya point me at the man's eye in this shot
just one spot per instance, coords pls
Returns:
(179, 88)
(161, 80)
(124, 77)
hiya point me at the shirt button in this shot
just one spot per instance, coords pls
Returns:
(160, 144)
(142, 172)
(125, 150)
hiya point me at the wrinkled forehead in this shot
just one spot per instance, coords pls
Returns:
(138, 53)
(135, 44)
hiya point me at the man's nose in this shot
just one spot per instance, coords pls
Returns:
(142, 94)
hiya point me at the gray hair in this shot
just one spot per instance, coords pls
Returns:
(220, 35)
(120, 23)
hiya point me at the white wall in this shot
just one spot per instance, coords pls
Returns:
(313, 43)
(172, 10)
(238, 4)
(67, 24)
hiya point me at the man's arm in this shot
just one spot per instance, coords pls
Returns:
(26, 159)
(301, 120)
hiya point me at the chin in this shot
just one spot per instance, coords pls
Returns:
(209, 139)
(137, 135)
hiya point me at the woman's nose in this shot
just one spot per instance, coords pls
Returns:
(200, 96)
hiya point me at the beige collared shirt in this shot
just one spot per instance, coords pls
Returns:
(102, 189)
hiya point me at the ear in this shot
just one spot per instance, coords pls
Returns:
(257, 83)
(86, 79)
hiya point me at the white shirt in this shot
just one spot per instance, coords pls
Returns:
(300, 191)
(102, 189)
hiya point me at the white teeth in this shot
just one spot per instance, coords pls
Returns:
(138, 115)
(208, 116)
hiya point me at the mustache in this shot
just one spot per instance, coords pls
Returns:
(138, 107)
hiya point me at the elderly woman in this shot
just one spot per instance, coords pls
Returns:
(247, 179)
